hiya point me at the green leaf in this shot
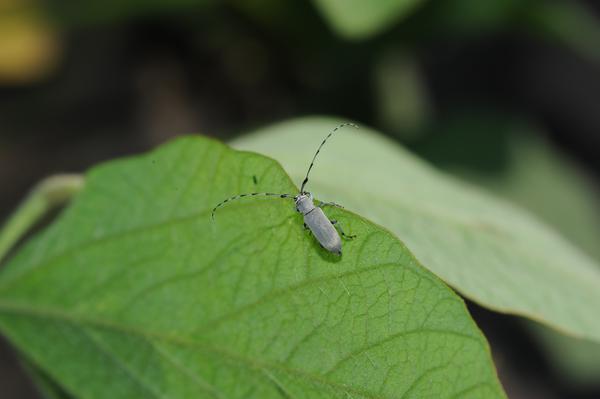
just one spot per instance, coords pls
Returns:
(548, 184)
(134, 292)
(554, 188)
(570, 22)
(492, 252)
(357, 19)
(513, 160)
(543, 180)
(46, 387)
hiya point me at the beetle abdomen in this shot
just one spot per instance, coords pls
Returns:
(323, 230)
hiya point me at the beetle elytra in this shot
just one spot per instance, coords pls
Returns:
(314, 218)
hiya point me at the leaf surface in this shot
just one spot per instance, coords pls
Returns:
(134, 292)
(492, 252)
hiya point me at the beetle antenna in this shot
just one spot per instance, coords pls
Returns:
(319, 149)
(239, 196)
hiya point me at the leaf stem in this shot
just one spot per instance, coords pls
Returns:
(46, 195)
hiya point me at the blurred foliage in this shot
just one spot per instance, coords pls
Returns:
(82, 13)
(468, 138)
(575, 362)
(570, 23)
(403, 105)
(356, 19)
(30, 46)
(470, 17)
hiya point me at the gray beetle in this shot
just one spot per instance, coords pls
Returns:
(314, 218)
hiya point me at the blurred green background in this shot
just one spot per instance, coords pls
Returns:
(503, 93)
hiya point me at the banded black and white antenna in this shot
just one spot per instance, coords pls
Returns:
(319, 149)
(240, 196)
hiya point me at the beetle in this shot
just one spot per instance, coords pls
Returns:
(315, 219)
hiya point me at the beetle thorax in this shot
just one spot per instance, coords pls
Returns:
(304, 203)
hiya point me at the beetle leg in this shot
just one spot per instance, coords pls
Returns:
(305, 226)
(336, 224)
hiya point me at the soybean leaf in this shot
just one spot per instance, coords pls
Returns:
(514, 161)
(550, 185)
(492, 252)
(46, 387)
(135, 292)
(358, 19)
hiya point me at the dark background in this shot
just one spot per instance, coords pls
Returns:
(456, 81)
